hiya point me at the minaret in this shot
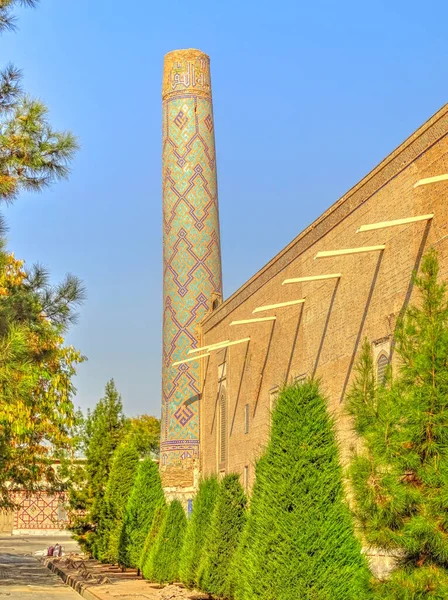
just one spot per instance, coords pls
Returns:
(191, 254)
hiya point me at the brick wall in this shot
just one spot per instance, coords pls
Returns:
(324, 335)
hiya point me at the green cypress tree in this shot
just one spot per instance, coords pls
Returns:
(157, 521)
(299, 539)
(400, 479)
(223, 536)
(163, 561)
(146, 495)
(104, 430)
(119, 486)
(196, 533)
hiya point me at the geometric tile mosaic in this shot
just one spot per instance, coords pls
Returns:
(191, 244)
(39, 511)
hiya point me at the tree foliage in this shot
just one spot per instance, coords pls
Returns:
(401, 477)
(223, 536)
(145, 497)
(101, 433)
(157, 522)
(7, 18)
(36, 370)
(119, 486)
(36, 367)
(144, 431)
(162, 564)
(299, 539)
(33, 155)
(196, 532)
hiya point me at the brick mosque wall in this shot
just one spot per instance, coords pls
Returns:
(323, 336)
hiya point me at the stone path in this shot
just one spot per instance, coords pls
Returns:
(25, 577)
(96, 581)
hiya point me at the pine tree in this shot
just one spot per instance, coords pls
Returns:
(36, 367)
(7, 18)
(163, 560)
(401, 477)
(146, 496)
(119, 486)
(32, 154)
(223, 536)
(299, 539)
(197, 528)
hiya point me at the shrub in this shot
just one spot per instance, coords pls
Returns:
(146, 495)
(197, 527)
(163, 560)
(299, 539)
(228, 519)
(119, 486)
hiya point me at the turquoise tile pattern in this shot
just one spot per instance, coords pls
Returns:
(191, 245)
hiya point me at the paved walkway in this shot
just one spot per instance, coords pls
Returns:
(24, 577)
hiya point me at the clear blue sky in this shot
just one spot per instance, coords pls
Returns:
(308, 97)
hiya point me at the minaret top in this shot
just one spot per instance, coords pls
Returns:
(186, 72)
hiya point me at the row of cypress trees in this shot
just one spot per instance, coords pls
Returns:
(198, 552)
(133, 494)
(295, 541)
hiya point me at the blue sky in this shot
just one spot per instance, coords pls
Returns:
(308, 98)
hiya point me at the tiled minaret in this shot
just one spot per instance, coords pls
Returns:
(191, 253)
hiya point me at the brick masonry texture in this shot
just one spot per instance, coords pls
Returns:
(323, 336)
(191, 251)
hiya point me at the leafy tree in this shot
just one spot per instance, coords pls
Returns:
(163, 561)
(36, 370)
(299, 539)
(400, 479)
(223, 536)
(196, 532)
(144, 431)
(36, 367)
(146, 496)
